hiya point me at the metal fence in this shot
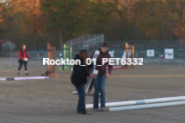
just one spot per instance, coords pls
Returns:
(143, 44)
(179, 55)
(37, 57)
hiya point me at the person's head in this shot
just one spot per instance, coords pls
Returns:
(83, 55)
(104, 47)
(24, 47)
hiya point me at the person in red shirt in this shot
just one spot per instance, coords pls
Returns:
(23, 59)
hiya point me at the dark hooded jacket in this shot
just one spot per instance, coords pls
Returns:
(80, 73)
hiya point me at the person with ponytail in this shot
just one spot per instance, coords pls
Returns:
(79, 79)
(23, 59)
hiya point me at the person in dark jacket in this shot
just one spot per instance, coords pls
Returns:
(99, 83)
(23, 59)
(79, 79)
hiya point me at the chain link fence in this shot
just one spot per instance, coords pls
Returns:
(179, 56)
(37, 57)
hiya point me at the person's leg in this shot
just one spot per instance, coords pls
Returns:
(81, 106)
(102, 90)
(96, 93)
(78, 106)
(20, 65)
(25, 68)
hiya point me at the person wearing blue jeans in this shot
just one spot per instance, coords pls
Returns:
(81, 102)
(79, 79)
(99, 84)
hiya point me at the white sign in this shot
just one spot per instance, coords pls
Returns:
(150, 53)
(111, 53)
(169, 53)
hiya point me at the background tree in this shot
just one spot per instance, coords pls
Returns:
(155, 19)
(35, 22)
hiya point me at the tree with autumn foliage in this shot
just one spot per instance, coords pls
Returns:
(36, 22)
(178, 7)
(27, 16)
(155, 19)
(78, 17)
(2, 26)
(1, 9)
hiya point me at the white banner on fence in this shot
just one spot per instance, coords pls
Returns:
(150, 53)
(169, 53)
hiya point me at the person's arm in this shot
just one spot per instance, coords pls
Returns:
(80, 71)
(27, 55)
(91, 66)
(110, 68)
(86, 72)
(19, 55)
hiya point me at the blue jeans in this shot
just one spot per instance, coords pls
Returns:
(81, 102)
(99, 86)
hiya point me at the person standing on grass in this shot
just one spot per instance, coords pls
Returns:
(99, 83)
(79, 79)
(23, 59)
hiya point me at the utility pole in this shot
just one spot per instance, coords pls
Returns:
(61, 43)
(35, 31)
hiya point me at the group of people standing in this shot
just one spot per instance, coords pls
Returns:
(80, 74)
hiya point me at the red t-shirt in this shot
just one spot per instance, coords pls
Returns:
(23, 54)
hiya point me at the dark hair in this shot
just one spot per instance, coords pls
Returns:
(105, 44)
(83, 55)
(21, 48)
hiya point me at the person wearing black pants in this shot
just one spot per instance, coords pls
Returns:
(23, 59)
(21, 62)
(79, 79)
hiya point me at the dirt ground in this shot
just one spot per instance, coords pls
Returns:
(51, 101)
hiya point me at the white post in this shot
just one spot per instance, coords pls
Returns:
(10, 65)
(159, 58)
(137, 102)
(37, 59)
(156, 105)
